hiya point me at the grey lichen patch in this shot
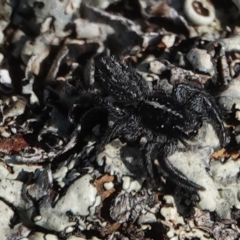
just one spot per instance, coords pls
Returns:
(222, 232)
(28, 90)
(15, 106)
(42, 236)
(41, 185)
(13, 193)
(98, 31)
(29, 155)
(200, 225)
(61, 13)
(8, 214)
(226, 178)
(231, 95)
(220, 180)
(175, 223)
(5, 18)
(10, 192)
(80, 200)
(230, 44)
(10, 109)
(121, 160)
(201, 60)
(130, 185)
(33, 53)
(19, 231)
(18, 168)
(194, 164)
(100, 3)
(5, 80)
(117, 23)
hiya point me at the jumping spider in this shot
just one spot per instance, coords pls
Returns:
(162, 118)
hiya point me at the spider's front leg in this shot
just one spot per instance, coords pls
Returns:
(176, 175)
(161, 147)
(126, 126)
(200, 106)
(162, 151)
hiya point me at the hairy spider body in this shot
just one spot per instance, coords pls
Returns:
(163, 118)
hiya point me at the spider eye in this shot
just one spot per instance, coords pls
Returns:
(191, 133)
(194, 133)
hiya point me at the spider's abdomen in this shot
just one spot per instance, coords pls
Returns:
(121, 81)
(160, 117)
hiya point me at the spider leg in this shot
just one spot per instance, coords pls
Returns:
(121, 127)
(115, 111)
(112, 132)
(149, 148)
(204, 108)
(178, 177)
(200, 106)
(174, 174)
(89, 119)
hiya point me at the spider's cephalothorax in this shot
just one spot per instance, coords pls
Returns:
(162, 118)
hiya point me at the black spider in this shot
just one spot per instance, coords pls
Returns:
(163, 119)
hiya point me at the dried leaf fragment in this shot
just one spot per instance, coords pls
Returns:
(218, 153)
(99, 184)
(13, 144)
